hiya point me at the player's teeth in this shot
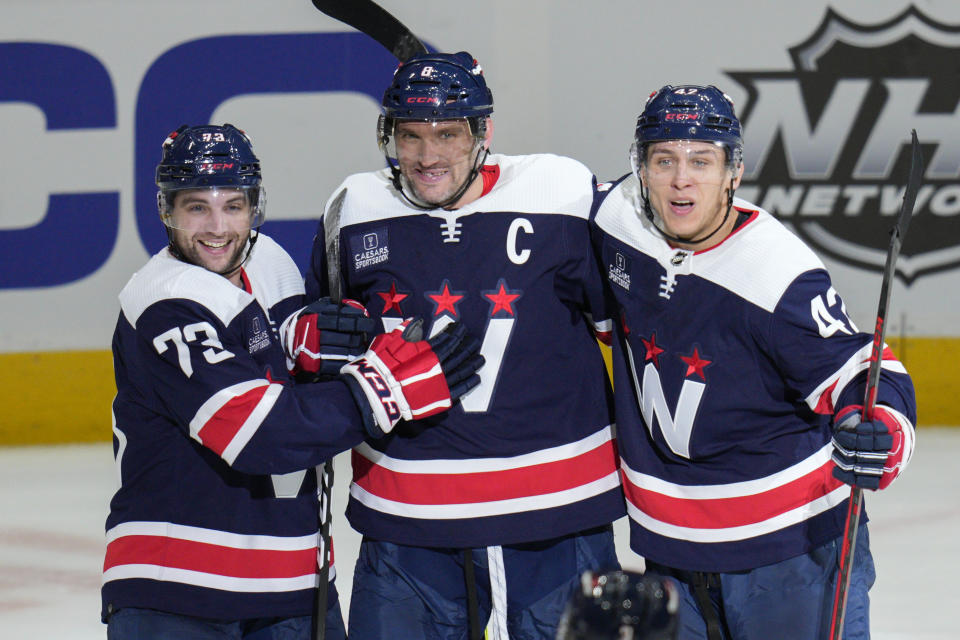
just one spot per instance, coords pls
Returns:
(215, 245)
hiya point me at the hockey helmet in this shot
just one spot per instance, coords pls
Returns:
(621, 604)
(436, 86)
(209, 157)
(689, 112)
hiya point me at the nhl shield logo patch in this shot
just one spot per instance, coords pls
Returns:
(827, 143)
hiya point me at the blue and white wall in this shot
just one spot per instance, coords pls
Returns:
(88, 90)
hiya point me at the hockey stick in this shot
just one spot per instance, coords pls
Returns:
(331, 240)
(370, 18)
(873, 378)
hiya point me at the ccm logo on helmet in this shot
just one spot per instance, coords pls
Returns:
(423, 100)
(680, 116)
(216, 166)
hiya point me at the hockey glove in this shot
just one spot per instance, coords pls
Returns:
(323, 336)
(870, 454)
(403, 376)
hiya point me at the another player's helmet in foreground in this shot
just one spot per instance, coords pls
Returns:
(209, 157)
(621, 604)
(689, 112)
(432, 87)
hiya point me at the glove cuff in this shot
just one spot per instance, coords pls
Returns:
(363, 405)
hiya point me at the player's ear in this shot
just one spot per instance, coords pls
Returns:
(737, 175)
(488, 137)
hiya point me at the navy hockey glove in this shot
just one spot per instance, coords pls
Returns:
(404, 377)
(323, 336)
(870, 455)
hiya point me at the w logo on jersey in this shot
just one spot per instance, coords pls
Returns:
(676, 426)
(496, 337)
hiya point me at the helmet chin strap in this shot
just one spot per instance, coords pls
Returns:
(411, 198)
(648, 211)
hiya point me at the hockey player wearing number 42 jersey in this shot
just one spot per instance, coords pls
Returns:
(521, 479)
(213, 530)
(735, 362)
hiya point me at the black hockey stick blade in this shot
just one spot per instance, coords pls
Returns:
(913, 186)
(370, 18)
(855, 504)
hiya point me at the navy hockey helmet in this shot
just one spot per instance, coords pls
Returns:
(209, 156)
(621, 604)
(436, 86)
(690, 112)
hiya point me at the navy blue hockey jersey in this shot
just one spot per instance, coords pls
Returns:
(529, 454)
(215, 516)
(728, 365)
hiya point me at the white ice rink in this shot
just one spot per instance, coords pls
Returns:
(53, 502)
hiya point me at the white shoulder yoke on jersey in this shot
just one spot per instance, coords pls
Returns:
(273, 276)
(757, 262)
(529, 184)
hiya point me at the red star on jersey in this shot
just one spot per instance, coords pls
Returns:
(653, 351)
(445, 301)
(502, 299)
(695, 364)
(391, 299)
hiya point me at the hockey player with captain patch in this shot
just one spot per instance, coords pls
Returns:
(739, 378)
(213, 531)
(508, 497)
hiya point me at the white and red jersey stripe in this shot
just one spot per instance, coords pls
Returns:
(481, 487)
(209, 558)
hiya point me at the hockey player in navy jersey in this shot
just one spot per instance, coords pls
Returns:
(509, 497)
(734, 363)
(213, 531)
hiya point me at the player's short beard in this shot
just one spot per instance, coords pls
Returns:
(192, 255)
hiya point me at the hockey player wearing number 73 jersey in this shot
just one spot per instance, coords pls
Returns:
(516, 486)
(213, 531)
(739, 378)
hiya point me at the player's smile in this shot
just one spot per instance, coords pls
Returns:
(436, 158)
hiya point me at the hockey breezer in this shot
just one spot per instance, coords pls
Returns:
(897, 234)
(370, 18)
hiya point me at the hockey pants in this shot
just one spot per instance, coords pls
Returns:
(414, 592)
(788, 600)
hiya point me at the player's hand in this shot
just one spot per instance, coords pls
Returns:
(323, 336)
(404, 377)
(867, 454)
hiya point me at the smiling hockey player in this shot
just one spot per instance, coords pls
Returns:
(514, 490)
(212, 532)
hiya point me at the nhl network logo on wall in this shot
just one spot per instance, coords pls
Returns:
(827, 143)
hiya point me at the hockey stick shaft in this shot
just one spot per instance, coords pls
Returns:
(370, 18)
(855, 504)
(331, 240)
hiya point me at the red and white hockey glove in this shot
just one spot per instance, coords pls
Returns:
(323, 336)
(405, 377)
(870, 454)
